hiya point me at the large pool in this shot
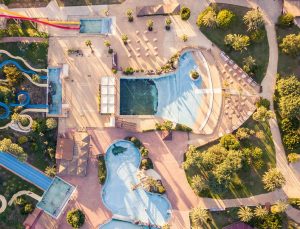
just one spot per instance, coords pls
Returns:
(96, 26)
(54, 91)
(118, 196)
(172, 96)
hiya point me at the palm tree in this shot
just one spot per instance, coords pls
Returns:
(88, 43)
(168, 22)
(210, 19)
(124, 39)
(129, 14)
(279, 207)
(245, 214)
(199, 216)
(253, 19)
(150, 24)
(50, 171)
(108, 44)
(184, 38)
(261, 212)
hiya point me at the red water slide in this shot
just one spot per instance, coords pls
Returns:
(41, 22)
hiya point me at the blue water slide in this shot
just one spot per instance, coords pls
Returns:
(6, 109)
(43, 77)
(8, 62)
(37, 106)
(25, 171)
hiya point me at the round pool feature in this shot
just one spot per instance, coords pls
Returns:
(118, 195)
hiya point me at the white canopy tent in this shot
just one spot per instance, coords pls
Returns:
(108, 95)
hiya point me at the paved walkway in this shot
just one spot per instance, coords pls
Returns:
(3, 203)
(23, 39)
(21, 193)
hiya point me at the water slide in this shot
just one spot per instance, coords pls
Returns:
(6, 109)
(41, 22)
(25, 171)
(45, 20)
(12, 62)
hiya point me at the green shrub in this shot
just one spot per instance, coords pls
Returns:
(293, 157)
(257, 35)
(289, 124)
(185, 13)
(161, 189)
(144, 151)
(22, 140)
(138, 144)
(203, 18)
(128, 71)
(75, 218)
(101, 169)
(225, 18)
(146, 163)
(51, 123)
(286, 20)
(238, 42)
(290, 44)
(292, 140)
(181, 127)
(229, 142)
(28, 208)
(295, 202)
(263, 102)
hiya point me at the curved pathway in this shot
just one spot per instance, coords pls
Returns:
(33, 82)
(21, 193)
(3, 204)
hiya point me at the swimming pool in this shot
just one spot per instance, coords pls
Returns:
(54, 91)
(118, 196)
(96, 26)
(171, 96)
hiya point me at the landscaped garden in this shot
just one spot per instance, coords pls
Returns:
(240, 32)
(238, 165)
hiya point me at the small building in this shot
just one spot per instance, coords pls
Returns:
(161, 9)
(64, 149)
(238, 225)
(293, 7)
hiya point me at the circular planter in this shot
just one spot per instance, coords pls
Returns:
(193, 78)
(27, 127)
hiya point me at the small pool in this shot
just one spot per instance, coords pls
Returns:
(118, 196)
(173, 96)
(54, 91)
(96, 26)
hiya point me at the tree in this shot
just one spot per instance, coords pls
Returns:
(13, 75)
(28, 208)
(253, 19)
(22, 140)
(199, 216)
(288, 85)
(279, 207)
(225, 18)
(198, 184)
(210, 19)
(290, 44)
(184, 38)
(261, 212)
(290, 106)
(202, 17)
(129, 14)
(273, 179)
(243, 133)
(6, 94)
(6, 145)
(88, 43)
(263, 102)
(293, 157)
(51, 123)
(168, 23)
(50, 171)
(150, 24)
(107, 43)
(286, 20)
(245, 214)
(262, 114)
(229, 141)
(124, 38)
(185, 13)
(249, 64)
(292, 140)
(238, 42)
(75, 218)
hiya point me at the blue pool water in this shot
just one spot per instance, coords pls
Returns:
(25, 171)
(55, 91)
(118, 196)
(175, 99)
(99, 26)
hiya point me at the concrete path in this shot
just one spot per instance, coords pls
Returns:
(21, 193)
(293, 213)
(33, 82)
(3, 203)
(23, 39)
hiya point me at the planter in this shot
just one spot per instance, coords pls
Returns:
(194, 75)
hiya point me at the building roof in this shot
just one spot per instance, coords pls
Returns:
(292, 6)
(64, 149)
(238, 225)
(161, 9)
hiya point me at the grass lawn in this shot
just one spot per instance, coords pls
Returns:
(248, 181)
(287, 65)
(260, 51)
(25, 3)
(34, 53)
(87, 2)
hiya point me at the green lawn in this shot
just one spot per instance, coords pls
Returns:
(34, 53)
(87, 2)
(25, 3)
(287, 65)
(260, 51)
(247, 182)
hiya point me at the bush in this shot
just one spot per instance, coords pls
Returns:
(207, 18)
(51, 123)
(257, 35)
(293, 157)
(194, 74)
(229, 142)
(101, 169)
(75, 218)
(144, 151)
(138, 144)
(286, 20)
(225, 18)
(22, 140)
(28, 208)
(290, 44)
(146, 163)
(128, 71)
(292, 140)
(273, 179)
(181, 127)
(289, 124)
(238, 42)
(185, 13)
(243, 133)
(263, 102)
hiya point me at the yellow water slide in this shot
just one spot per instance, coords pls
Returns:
(45, 20)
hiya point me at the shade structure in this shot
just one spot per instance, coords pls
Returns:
(107, 95)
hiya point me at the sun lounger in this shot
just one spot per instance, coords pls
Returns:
(235, 66)
(249, 80)
(244, 76)
(224, 57)
(231, 62)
